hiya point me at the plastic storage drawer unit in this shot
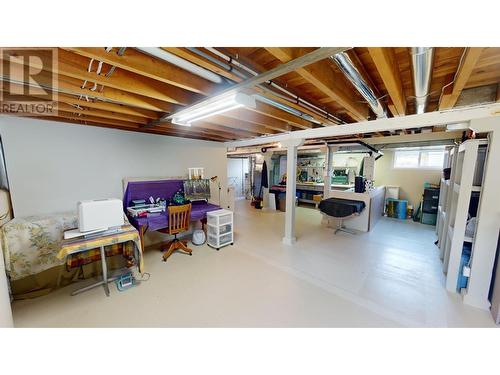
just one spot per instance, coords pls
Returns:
(220, 228)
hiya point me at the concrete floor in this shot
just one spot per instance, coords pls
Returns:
(390, 277)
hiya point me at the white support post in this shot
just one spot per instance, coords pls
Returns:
(488, 225)
(327, 178)
(291, 185)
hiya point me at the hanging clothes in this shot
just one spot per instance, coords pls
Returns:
(264, 179)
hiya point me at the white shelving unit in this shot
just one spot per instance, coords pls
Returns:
(220, 228)
(442, 197)
(444, 206)
(465, 178)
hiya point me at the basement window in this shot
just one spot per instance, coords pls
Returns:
(419, 159)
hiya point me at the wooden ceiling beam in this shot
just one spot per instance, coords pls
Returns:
(241, 122)
(137, 127)
(384, 59)
(172, 129)
(100, 113)
(196, 59)
(151, 67)
(72, 86)
(74, 66)
(105, 106)
(186, 54)
(46, 78)
(111, 107)
(292, 65)
(271, 95)
(271, 111)
(239, 132)
(451, 93)
(178, 129)
(279, 114)
(257, 118)
(202, 129)
(156, 131)
(323, 77)
(85, 117)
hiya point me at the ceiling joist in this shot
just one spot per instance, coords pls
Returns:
(385, 62)
(132, 91)
(451, 93)
(322, 76)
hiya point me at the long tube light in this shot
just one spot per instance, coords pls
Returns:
(238, 100)
(181, 63)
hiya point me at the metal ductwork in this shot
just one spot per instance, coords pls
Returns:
(347, 67)
(422, 62)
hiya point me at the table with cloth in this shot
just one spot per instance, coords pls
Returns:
(30, 247)
(164, 189)
(127, 233)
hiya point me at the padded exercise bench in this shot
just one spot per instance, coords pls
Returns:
(341, 209)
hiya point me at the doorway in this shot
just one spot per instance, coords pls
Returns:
(238, 176)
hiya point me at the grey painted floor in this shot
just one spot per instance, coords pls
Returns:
(390, 277)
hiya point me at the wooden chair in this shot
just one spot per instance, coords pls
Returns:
(179, 218)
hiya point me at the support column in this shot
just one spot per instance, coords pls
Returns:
(327, 178)
(291, 185)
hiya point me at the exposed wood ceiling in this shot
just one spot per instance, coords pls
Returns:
(133, 90)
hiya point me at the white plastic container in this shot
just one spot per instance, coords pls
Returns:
(220, 228)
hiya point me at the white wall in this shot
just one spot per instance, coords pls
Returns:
(52, 165)
(410, 181)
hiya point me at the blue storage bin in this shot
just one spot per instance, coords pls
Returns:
(464, 261)
(396, 208)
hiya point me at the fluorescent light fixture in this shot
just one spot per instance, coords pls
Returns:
(459, 126)
(181, 63)
(188, 116)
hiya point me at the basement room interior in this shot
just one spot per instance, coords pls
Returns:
(262, 186)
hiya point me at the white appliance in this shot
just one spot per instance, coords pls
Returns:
(99, 214)
(220, 228)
